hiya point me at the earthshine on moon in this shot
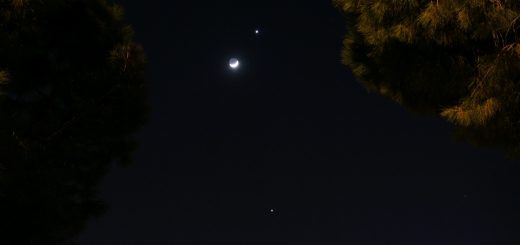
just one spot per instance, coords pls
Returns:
(234, 63)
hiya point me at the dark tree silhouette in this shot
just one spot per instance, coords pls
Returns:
(72, 93)
(455, 58)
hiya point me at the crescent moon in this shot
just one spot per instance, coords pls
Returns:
(234, 63)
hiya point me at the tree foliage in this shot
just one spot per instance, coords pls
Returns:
(459, 59)
(72, 93)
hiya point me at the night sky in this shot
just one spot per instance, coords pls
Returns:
(289, 148)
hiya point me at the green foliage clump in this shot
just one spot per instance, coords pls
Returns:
(459, 59)
(72, 94)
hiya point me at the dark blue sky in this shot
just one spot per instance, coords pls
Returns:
(291, 131)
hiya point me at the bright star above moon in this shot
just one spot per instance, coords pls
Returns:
(234, 63)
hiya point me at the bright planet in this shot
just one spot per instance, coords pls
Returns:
(234, 63)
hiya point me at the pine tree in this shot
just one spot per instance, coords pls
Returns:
(72, 94)
(459, 59)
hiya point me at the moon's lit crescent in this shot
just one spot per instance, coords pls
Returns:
(234, 63)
